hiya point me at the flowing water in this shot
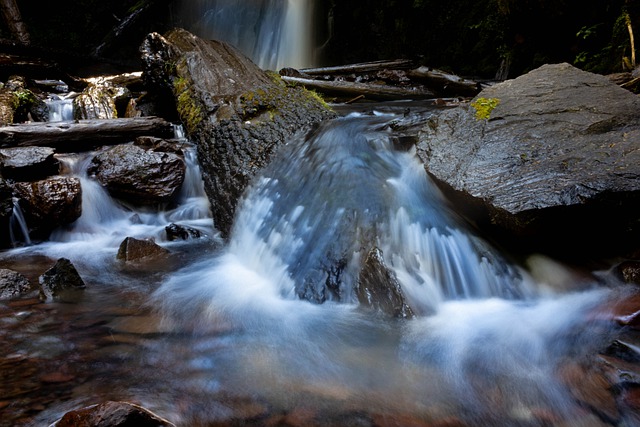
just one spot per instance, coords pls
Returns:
(273, 33)
(215, 333)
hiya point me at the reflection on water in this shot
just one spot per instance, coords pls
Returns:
(215, 334)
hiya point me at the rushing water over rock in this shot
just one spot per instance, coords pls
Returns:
(273, 33)
(226, 339)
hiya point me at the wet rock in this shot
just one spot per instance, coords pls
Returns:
(132, 249)
(378, 287)
(139, 176)
(60, 282)
(236, 113)
(112, 414)
(181, 232)
(28, 163)
(555, 165)
(12, 284)
(49, 203)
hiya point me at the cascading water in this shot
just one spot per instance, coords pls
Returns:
(273, 33)
(18, 230)
(60, 107)
(227, 339)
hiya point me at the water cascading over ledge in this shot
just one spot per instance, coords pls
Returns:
(273, 33)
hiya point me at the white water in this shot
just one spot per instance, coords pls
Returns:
(273, 33)
(60, 107)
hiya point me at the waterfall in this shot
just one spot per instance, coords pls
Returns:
(18, 230)
(343, 190)
(60, 107)
(273, 33)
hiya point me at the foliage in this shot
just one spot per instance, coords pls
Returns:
(484, 106)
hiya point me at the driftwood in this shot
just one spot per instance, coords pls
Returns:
(367, 90)
(83, 134)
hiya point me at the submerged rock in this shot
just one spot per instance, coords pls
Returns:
(556, 163)
(112, 414)
(139, 176)
(237, 113)
(181, 232)
(60, 281)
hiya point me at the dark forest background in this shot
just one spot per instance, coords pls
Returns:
(479, 38)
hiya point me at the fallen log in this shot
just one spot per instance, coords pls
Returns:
(83, 134)
(363, 67)
(368, 90)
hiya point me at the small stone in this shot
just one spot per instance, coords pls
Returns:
(132, 249)
(56, 282)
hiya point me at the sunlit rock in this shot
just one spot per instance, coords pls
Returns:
(555, 165)
(98, 101)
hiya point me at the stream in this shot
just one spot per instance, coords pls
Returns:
(215, 333)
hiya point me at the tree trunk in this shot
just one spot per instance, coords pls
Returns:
(83, 134)
(13, 20)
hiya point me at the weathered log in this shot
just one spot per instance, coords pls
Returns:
(444, 82)
(364, 67)
(83, 134)
(368, 90)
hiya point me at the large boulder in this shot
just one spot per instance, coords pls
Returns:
(139, 176)
(555, 164)
(236, 113)
(49, 203)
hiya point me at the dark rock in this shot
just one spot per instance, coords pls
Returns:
(132, 249)
(235, 112)
(60, 281)
(12, 284)
(556, 163)
(137, 175)
(181, 232)
(28, 163)
(378, 287)
(49, 203)
(112, 414)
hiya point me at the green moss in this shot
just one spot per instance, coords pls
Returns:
(484, 106)
(188, 108)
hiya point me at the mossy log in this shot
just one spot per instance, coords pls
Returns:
(83, 134)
